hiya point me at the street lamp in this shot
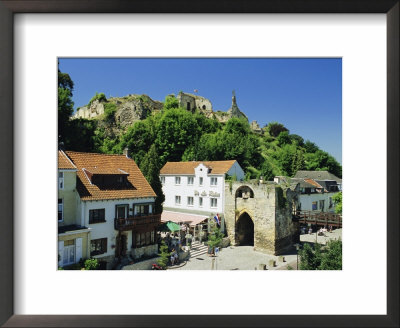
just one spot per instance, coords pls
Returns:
(297, 245)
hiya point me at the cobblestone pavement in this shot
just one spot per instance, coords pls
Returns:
(245, 258)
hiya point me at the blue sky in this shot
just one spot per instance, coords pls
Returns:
(303, 94)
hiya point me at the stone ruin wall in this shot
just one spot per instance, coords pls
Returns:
(274, 230)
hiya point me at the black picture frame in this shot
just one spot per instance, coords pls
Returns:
(10, 7)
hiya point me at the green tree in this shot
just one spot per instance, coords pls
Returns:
(284, 139)
(317, 258)
(170, 102)
(296, 139)
(177, 129)
(332, 258)
(215, 237)
(266, 171)
(285, 157)
(275, 128)
(310, 147)
(138, 139)
(337, 199)
(101, 97)
(164, 255)
(150, 167)
(65, 104)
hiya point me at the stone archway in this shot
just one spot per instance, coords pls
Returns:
(245, 230)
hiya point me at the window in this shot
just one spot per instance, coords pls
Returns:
(97, 216)
(60, 180)
(178, 200)
(142, 210)
(138, 240)
(177, 180)
(190, 180)
(321, 205)
(148, 238)
(201, 201)
(190, 201)
(60, 210)
(213, 202)
(69, 252)
(152, 237)
(162, 180)
(330, 202)
(314, 206)
(200, 181)
(121, 211)
(213, 181)
(98, 246)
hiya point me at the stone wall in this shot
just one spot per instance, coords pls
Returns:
(193, 102)
(269, 208)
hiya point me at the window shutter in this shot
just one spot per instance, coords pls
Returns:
(60, 253)
(78, 249)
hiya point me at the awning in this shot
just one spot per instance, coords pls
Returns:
(169, 226)
(191, 219)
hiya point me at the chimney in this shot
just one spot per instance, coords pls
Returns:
(126, 152)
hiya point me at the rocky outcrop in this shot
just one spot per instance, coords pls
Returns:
(128, 109)
(255, 127)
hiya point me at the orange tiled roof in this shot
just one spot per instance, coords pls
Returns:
(315, 184)
(64, 162)
(217, 167)
(138, 185)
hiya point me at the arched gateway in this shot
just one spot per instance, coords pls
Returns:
(259, 214)
(245, 230)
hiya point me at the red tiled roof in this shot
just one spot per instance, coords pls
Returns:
(138, 186)
(217, 167)
(314, 183)
(64, 162)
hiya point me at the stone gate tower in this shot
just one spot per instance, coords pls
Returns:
(260, 215)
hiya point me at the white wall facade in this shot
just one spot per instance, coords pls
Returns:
(306, 201)
(206, 191)
(106, 229)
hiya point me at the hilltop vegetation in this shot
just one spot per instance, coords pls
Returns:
(175, 134)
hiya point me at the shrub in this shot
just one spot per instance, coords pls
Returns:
(109, 111)
(98, 96)
(164, 255)
(91, 264)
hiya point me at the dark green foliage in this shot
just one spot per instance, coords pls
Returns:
(284, 139)
(297, 140)
(332, 259)
(177, 129)
(310, 147)
(275, 128)
(92, 264)
(98, 96)
(150, 167)
(337, 199)
(65, 105)
(170, 102)
(215, 237)
(138, 139)
(266, 171)
(109, 111)
(329, 258)
(164, 255)
(322, 161)
(80, 135)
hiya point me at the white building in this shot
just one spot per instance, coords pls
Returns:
(116, 203)
(197, 188)
(316, 189)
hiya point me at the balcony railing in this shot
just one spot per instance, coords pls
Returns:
(138, 222)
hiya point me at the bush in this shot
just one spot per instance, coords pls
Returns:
(164, 255)
(91, 264)
(109, 111)
(98, 96)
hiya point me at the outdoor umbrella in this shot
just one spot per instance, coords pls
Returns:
(169, 226)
